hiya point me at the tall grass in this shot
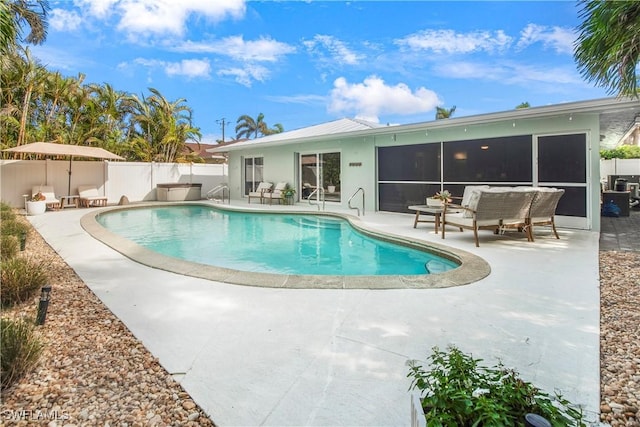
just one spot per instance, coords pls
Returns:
(8, 247)
(20, 349)
(21, 278)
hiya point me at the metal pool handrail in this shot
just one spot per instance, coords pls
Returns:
(354, 195)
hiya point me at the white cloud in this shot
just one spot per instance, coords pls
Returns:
(64, 20)
(448, 41)
(338, 51)
(299, 99)
(96, 8)
(372, 97)
(509, 73)
(261, 50)
(557, 38)
(245, 76)
(169, 16)
(191, 68)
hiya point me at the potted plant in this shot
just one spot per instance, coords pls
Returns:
(37, 204)
(287, 195)
(439, 199)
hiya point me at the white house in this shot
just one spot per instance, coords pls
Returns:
(398, 166)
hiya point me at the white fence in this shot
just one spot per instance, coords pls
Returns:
(137, 181)
(619, 167)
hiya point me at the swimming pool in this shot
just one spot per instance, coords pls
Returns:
(269, 243)
(470, 267)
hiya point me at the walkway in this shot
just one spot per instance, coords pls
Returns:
(264, 356)
(622, 233)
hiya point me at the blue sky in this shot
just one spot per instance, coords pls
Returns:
(302, 63)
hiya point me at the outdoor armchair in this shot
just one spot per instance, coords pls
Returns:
(261, 190)
(543, 209)
(277, 193)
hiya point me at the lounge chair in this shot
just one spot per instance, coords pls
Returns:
(261, 189)
(276, 194)
(89, 196)
(543, 209)
(491, 209)
(51, 200)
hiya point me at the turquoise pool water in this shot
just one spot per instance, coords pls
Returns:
(268, 243)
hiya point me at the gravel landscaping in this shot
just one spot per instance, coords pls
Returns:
(95, 372)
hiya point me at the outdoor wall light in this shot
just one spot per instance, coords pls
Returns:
(23, 240)
(43, 305)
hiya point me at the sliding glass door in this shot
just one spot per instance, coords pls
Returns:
(253, 173)
(320, 170)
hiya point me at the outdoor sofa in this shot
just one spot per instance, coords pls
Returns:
(503, 208)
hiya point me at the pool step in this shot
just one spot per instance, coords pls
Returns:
(325, 223)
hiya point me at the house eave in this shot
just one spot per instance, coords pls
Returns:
(599, 106)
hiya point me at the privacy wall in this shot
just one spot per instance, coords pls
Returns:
(137, 181)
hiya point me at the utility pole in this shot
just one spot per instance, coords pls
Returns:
(222, 122)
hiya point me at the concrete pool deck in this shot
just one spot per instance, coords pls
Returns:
(337, 357)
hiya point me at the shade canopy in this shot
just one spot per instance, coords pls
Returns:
(71, 151)
(53, 149)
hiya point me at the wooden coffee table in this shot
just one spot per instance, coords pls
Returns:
(424, 209)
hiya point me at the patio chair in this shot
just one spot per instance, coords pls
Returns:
(51, 200)
(261, 189)
(276, 194)
(543, 209)
(89, 196)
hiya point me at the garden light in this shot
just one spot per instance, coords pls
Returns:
(43, 305)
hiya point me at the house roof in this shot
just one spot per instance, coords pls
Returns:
(340, 126)
(617, 117)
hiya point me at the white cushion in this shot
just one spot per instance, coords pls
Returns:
(472, 201)
(466, 196)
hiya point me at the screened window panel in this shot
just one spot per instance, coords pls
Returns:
(409, 163)
(573, 202)
(397, 197)
(506, 159)
(562, 158)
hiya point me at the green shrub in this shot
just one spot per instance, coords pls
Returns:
(20, 278)
(20, 350)
(622, 152)
(6, 213)
(458, 391)
(13, 228)
(8, 247)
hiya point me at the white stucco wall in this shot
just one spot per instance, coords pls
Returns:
(279, 162)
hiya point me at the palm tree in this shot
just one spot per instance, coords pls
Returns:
(15, 15)
(160, 129)
(607, 50)
(33, 75)
(247, 127)
(444, 113)
(277, 128)
(523, 105)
